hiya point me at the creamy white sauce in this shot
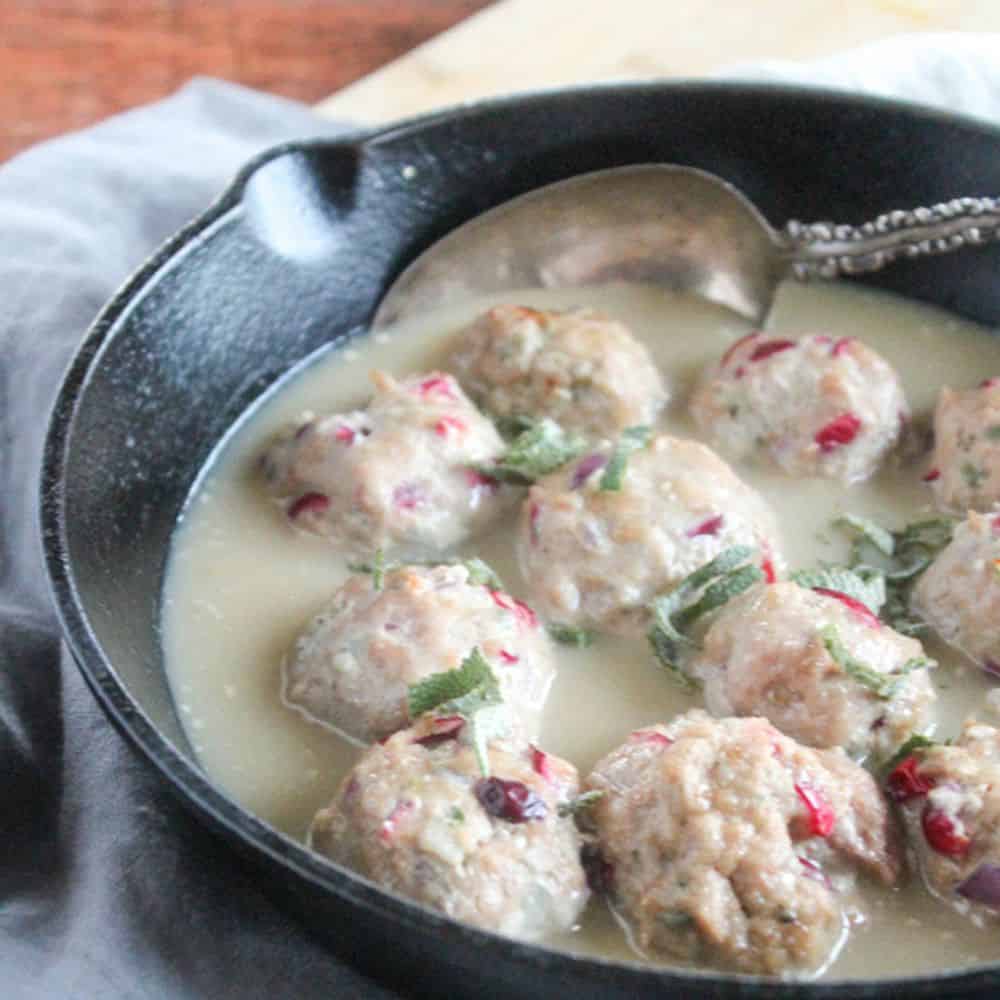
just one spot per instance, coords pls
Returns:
(241, 583)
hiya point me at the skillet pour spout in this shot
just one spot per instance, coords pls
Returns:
(675, 226)
(234, 303)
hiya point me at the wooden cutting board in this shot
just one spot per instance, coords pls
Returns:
(527, 44)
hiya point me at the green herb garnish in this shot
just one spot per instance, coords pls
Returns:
(480, 572)
(974, 476)
(539, 449)
(864, 584)
(993, 433)
(706, 589)
(914, 743)
(581, 803)
(632, 439)
(868, 531)
(570, 636)
(882, 685)
(471, 691)
(377, 569)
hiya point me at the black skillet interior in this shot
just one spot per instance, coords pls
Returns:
(296, 255)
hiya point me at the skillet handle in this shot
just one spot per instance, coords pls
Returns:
(826, 250)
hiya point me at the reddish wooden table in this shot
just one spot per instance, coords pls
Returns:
(67, 63)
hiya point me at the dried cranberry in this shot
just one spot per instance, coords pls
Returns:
(822, 818)
(600, 873)
(309, 503)
(989, 383)
(521, 611)
(437, 385)
(513, 801)
(841, 345)
(445, 728)
(587, 467)
(767, 568)
(448, 424)
(710, 526)
(860, 609)
(540, 762)
(932, 475)
(733, 348)
(769, 347)
(838, 432)
(905, 782)
(940, 833)
(344, 434)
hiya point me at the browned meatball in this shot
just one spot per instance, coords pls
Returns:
(353, 665)
(579, 367)
(965, 468)
(729, 844)
(399, 475)
(765, 655)
(950, 800)
(417, 817)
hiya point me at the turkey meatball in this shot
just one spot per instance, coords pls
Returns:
(726, 843)
(965, 468)
(416, 816)
(958, 595)
(595, 557)
(582, 369)
(950, 801)
(818, 406)
(353, 665)
(768, 653)
(399, 475)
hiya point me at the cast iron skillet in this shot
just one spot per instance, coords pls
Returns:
(295, 255)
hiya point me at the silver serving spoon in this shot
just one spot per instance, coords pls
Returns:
(677, 227)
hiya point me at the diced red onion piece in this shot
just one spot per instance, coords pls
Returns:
(509, 657)
(813, 871)
(838, 432)
(650, 736)
(905, 781)
(521, 611)
(445, 728)
(437, 385)
(540, 762)
(983, 885)
(822, 818)
(586, 468)
(991, 667)
(841, 345)
(309, 503)
(733, 348)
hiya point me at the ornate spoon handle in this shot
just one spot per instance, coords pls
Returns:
(826, 250)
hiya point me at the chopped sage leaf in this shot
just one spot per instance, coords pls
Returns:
(993, 433)
(974, 476)
(455, 815)
(480, 572)
(868, 530)
(539, 449)
(631, 440)
(580, 803)
(882, 685)
(864, 584)
(914, 743)
(376, 569)
(570, 636)
(718, 593)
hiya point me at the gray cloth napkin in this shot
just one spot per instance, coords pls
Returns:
(108, 889)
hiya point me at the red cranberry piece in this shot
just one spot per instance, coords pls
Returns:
(733, 348)
(540, 762)
(841, 346)
(600, 873)
(446, 728)
(822, 818)
(905, 782)
(941, 835)
(710, 526)
(932, 475)
(838, 432)
(509, 657)
(309, 503)
(409, 496)
(448, 424)
(437, 385)
(586, 468)
(767, 568)
(861, 610)
(521, 611)
(513, 801)
(770, 347)
(989, 383)
(345, 434)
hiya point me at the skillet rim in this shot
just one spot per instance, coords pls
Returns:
(223, 815)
